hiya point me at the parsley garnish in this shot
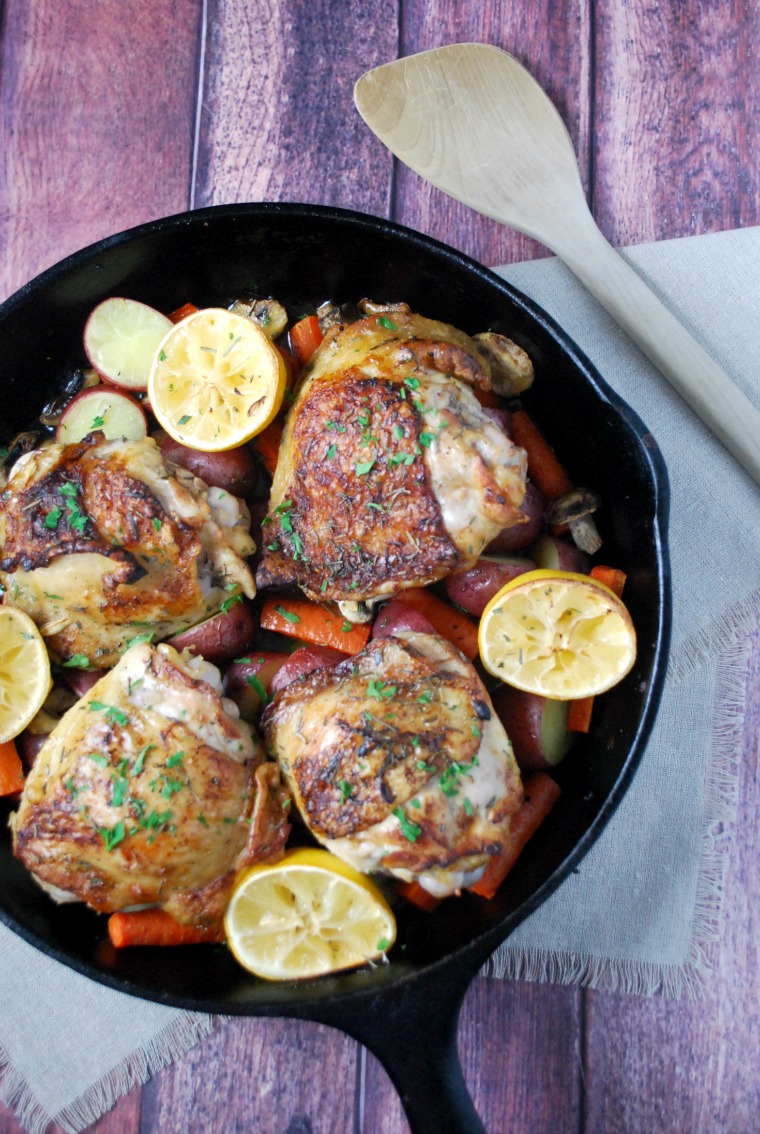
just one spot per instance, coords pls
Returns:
(288, 615)
(78, 661)
(384, 321)
(409, 830)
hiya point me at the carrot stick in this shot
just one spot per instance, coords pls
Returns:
(305, 337)
(612, 577)
(182, 312)
(541, 793)
(579, 713)
(11, 769)
(445, 619)
(156, 927)
(314, 622)
(267, 443)
(544, 469)
(417, 896)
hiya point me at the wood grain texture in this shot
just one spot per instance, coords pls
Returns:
(677, 99)
(554, 42)
(278, 120)
(88, 148)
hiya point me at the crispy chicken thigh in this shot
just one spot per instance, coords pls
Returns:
(390, 474)
(397, 762)
(150, 791)
(101, 538)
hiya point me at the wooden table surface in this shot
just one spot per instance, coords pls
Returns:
(113, 114)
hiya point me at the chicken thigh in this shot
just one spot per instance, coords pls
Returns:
(103, 539)
(150, 790)
(390, 474)
(397, 762)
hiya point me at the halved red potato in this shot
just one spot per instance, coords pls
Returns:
(554, 554)
(102, 407)
(520, 536)
(81, 681)
(248, 681)
(233, 470)
(121, 338)
(221, 637)
(536, 726)
(395, 616)
(474, 589)
(303, 661)
(28, 745)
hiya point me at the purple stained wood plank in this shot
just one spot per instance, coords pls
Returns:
(677, 100)
(90, 147)
(686, 1067)
(554, 42)
(278, 120)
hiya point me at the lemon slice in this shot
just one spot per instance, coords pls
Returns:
(306, 915)
(216, 380)
(557, 634)
(24, 672)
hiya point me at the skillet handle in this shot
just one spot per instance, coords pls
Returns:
(414, 1035)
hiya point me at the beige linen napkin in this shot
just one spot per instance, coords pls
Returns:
(641, 911)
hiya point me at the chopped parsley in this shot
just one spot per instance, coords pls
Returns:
(78, 661)
(288, 615)
(409, 830)
(384, 321)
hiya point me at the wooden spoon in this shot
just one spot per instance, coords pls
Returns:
(470, 119)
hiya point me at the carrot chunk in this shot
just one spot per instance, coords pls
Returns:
(417, 896)
(267, 443)
(156, 927)
(445, 619)
(544, 469)
(314, 622)
(305, 337)
(182, 312)
(11, 769)
(612, 577)
(541, 793)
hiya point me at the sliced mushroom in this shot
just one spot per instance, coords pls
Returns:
(369, 307)
(358, 611)
(575, 509)
(511, 368)
(270, 315)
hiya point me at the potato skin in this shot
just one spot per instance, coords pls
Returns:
(304, 661)
(81, 681)
(556, 554)
(233, 470)
(536, 726)
(474, 589)
(221, 637)
(395, 616)
(262, 666)
(520, 536)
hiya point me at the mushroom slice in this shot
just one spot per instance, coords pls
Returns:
(574, 509)
(511, 368)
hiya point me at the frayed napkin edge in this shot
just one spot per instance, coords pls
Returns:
(643, 978)
(182, 1033)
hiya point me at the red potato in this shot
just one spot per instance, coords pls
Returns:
(520, 536)
(474, 589)
(113, 412)
(395, 616)
(121, 338)
(304, 661)
(248, 681)
(555, 554)
(536, 726)
(221, 637)
(29, 745)
(234, 470)
(81, 681)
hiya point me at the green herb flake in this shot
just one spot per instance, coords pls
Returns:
(257, 686)
(230, 602)
(96, 758)
(184, 419)
(380, 690)
(331, 452)
(112, 836)
(383, 945)
(51, 520)
(78, 661)
(384, 321)
(156, 524)
(409, 830)
(288, 615)
(363, 467)
(426, 439)
(346, 790)
(412, 383)
(469, 809)
(175, 759)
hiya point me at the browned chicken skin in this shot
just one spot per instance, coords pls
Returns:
(397, 762)
(390, 475)
(150, 791)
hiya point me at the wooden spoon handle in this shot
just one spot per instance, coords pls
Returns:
(697, 378)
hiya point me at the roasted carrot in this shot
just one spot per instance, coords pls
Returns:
(579, 713)
(314, 622)
(305, 337)
(445, 619)
(267, 443)
(156, 927)
(11, 769)
(540, 794)
(290, 363)
(544, 468)
(417, 896)
(488, 399)
(182, 312)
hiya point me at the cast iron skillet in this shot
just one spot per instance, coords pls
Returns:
(406, 1011)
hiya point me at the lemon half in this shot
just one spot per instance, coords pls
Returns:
(216, 380)
(25, 679)
(557, 634)
(307, 915)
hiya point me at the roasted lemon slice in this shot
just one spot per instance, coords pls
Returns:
(24, 672)
(557, 634)
(216, 380)
(306, 915)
